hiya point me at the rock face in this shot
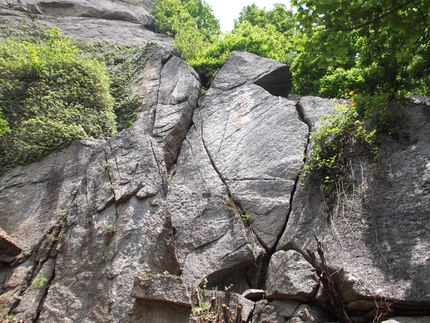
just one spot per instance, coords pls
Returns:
(204, 191)
(123, 22)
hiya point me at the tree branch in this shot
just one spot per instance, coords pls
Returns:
(400, 6)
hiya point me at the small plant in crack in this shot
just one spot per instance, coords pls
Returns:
(245, 219)
(107, 167)
(232, 206)
(109, 230)
(68, 206)
(102, 259)
(111, 188)
(39, 282)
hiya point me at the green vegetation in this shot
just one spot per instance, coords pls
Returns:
(332, 145)
(199, 42)
(50, 96)
(39, 282)
(373, 53)
(54, 89)
(191, 22)
(109, 230)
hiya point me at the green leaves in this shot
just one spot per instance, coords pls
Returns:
(380, 40)
(191, 22)
(50, 96)
(331, 147)
(4, 126)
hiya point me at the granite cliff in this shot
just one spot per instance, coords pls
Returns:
(204, 190)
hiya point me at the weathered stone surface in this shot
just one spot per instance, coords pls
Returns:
(133, 11)
(242, 68)
(378, 234)
(277, 311)
(85, 230)
(422, 319)
(290, 276)
(169, 89)
(224, 156)
(387, 248)
(255, 141)
(209, 238)
(177, 98)
(8, 249)
(79, 7)
(158, 312)
(306, 313)
(124, 22)
(91, 217)
(169, 289)
(254, 294)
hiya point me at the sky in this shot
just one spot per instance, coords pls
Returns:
(228, 10)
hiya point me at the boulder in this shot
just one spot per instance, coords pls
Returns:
(307, 313)
(290, 276)
(179, 89)
(8, 249)
(277, 311)
(255, 140)
(242, 68)
(162, 288)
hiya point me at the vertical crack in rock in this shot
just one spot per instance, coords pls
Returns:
(299, 109)
(160, 172)
(107, 170)
(45, 294)
(37, 285)
(157, 98)
(212, 161)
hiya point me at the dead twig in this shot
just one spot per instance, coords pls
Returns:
(325, 277)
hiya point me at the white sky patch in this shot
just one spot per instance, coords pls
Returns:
(228, 10)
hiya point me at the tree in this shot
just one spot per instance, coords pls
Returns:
(190, 22)
(265, 33)
(378, 49)
(279, 17)
(382, 41)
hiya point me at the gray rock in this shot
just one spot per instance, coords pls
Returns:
(242, 68)
(405, 319)
(290, 276)
(86, 230)
(178, 93)
(255, 141)
(378, 231)
(122, 22)
(157, 312)
(390, 222)
(169, 89)
(8, 249)
(306, 313)
(275, 311)
(137, 12)
(162, 288)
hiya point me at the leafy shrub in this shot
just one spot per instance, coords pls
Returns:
(332, 146)
(49, 96)
(124, 63)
